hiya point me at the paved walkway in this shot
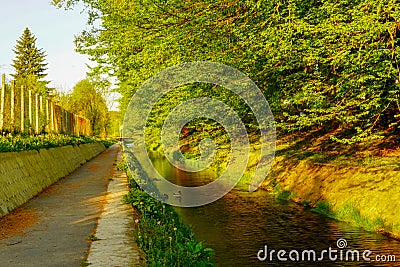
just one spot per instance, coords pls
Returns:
(115, 229)
(53, 228)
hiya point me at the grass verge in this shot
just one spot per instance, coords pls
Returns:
(161, 234)
(15, 143)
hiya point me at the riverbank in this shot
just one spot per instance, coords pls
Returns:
(359, 184)
(160, 232)
(361, 188)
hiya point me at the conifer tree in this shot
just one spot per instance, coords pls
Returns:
(29, 63)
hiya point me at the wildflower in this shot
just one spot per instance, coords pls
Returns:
(137, 221)
(174, 228)
(158, 222)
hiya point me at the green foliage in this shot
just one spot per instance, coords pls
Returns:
(108, 142)
(13, 143)
(350, 213)
(85, 263)
(324, 208)
(85, 100)
(161, 234)
(328, 65)
(29, 63)
(284, 195)
(122, 166)
(115, 122)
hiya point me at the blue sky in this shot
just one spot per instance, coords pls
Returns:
(54, 29)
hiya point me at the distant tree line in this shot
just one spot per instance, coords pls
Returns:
(86, 98)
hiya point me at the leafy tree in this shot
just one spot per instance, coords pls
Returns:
(29, 63)
(322, 65)
(86, 101)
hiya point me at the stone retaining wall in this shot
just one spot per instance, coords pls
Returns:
(25, 174)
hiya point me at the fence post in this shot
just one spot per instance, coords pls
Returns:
(41, 110)
(77, 125)
(37, 113)
(30, 111)
(47, 116)
(2, 100)
(22, 110)
(12, 111)
(52, 116)
(67, 122)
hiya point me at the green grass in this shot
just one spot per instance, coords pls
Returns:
(324, 208)
(350, 213)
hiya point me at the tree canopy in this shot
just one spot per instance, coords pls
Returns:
(328, 65)
(86, 101)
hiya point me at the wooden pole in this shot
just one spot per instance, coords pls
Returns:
(22, 110)
(77, 125)
(12, 106)
(47, 116)
(67, 122)
(2, 100)
(37, 113)
(62, 121)
(30, 110)
(41, 104)
(52, 116)
(41, 109)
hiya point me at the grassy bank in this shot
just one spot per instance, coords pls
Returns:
(356, 183)
(161, 234)
(352, 184)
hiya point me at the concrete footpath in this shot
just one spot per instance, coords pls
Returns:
(57, 227)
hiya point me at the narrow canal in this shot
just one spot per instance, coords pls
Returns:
(241, 224)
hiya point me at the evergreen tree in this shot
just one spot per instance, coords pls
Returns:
(29, 63)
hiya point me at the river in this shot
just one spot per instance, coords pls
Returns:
(242, 225)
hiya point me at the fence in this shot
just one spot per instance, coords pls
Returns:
(23, 111)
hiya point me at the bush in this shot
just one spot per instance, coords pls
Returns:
(13, 143)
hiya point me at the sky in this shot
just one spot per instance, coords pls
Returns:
(54, 29)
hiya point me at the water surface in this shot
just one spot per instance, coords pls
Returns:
(241, 224)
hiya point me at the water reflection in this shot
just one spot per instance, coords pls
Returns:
(241, 223)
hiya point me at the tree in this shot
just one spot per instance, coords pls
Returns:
(29, 63)
(88, 102)
(322, 65)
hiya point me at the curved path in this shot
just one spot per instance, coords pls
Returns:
(55, 227)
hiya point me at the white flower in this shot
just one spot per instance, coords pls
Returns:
(137, 221)
(174, 228)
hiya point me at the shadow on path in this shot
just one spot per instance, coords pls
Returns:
(53, 228)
